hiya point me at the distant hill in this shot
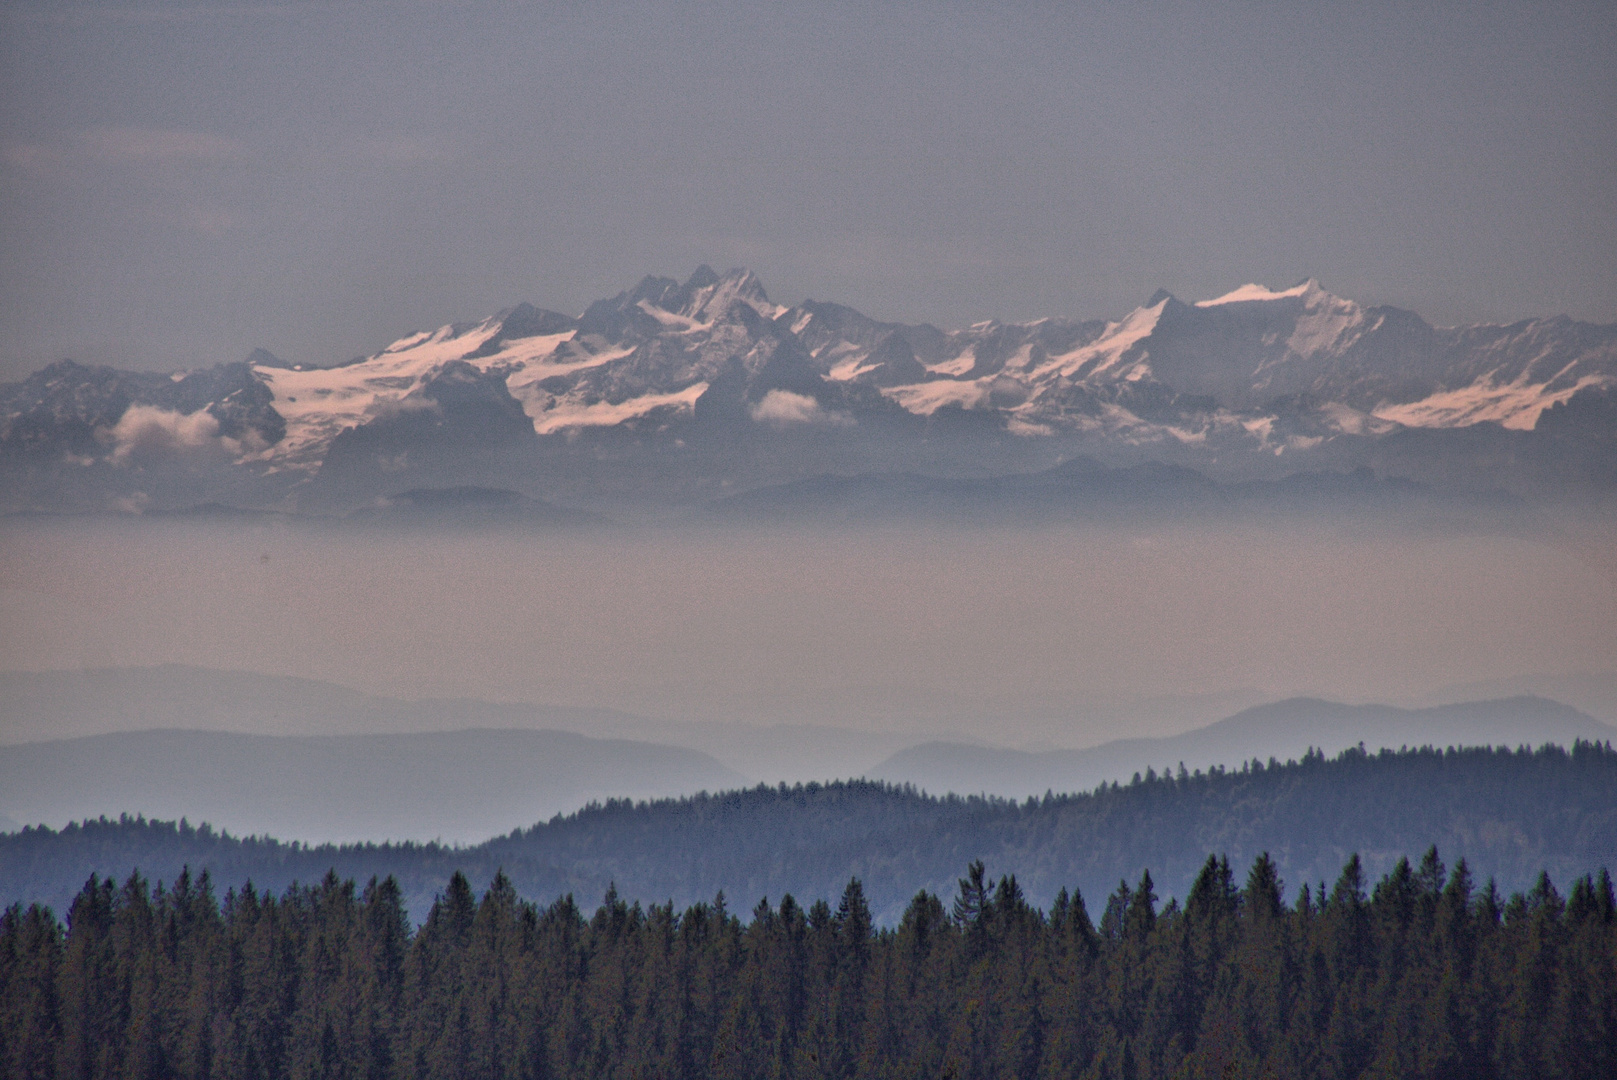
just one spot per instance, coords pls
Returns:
(1508, 813)
(42, 705)
(459, 786)
(1284, 729)
(465, 795)
(46, 705)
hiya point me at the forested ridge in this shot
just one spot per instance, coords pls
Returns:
(1509, 813)
(1426, 976)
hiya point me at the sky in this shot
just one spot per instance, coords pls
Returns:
(183, 182)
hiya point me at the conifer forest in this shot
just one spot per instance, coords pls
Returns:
(1424, 973)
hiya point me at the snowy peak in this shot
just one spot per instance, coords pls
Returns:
(659, 303)
(1307, 319)
(706, 296)
(519, 323)
(1121, 351)
(265, 358)
(1256, 369)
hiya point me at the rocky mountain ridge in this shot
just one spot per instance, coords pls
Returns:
(712, 366)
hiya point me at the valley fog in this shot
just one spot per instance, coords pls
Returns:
(1040, 636)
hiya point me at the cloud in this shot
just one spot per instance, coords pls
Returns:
(127, 144)
(132, 504)
(147, 432)
(782, 407)
(151, 149)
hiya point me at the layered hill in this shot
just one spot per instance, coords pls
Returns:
(169, 742)
(1284, 730)
(700, 386)
(1509, 814)
(458, 786)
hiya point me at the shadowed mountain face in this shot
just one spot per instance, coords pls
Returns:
(1283, 730)
(685, 390)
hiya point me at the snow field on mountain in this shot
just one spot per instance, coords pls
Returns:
(1281, 368)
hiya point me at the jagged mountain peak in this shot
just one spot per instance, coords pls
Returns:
(1257, 369)
(701, 278)
(707, 295)
(525, 321)
(704, 297)
(518, 323)
(265, 358)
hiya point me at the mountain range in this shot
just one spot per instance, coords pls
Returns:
(689, 391)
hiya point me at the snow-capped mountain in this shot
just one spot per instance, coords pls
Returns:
(1253, 372)
(652, 354)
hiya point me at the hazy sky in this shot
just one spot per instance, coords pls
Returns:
(1010, 635)
(181, 182)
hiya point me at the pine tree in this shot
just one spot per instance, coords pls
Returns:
(30, 1015)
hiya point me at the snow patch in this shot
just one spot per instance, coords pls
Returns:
(1260, 428)
(1515, 405)
(1254, 293)
(957, 366)
(924, 399)
(1327, 323)
(565, 415)
(318, 404)
(850, 367)
(673, 320)
(1105, 354)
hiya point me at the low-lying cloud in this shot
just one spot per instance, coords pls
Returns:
(150, 432)
(783, 407)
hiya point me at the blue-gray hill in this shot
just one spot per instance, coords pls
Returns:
(1282, 729)
(1509, 813)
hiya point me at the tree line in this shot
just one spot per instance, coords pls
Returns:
(1509, 813)
(1425, 974)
